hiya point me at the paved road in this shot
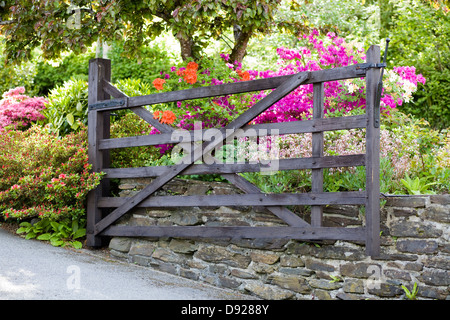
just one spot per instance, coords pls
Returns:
(34, 270)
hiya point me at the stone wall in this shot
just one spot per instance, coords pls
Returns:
(415, 249)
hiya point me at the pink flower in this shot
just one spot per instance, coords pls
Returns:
(62, 176)
(17, 109)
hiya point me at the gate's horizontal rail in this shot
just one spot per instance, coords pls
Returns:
(353, 160)
(304, 126)
(349, 72)
(284, 199)
(240, 232)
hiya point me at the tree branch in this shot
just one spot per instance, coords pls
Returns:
(4, 23)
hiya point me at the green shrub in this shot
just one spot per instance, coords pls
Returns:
(67, 107)
(432, 100)
(50, 74)
(127, 126)
(44, 176)
(156, 59)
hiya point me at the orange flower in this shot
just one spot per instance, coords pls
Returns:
(244, 75)
(190, 76)
(168, 117)
(156, 114)
(192, 66)
(158, 83)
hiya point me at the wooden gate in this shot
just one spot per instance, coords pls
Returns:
(103, 210)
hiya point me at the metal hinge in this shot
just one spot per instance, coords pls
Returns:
(363, 67)
(108, 104)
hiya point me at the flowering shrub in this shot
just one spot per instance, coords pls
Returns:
(18, 110)
(400, 154)
(212, 112)
(342, 96)
(43, 176)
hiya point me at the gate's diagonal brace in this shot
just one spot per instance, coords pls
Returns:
(140, 111)
(280, 92)
(281, 212)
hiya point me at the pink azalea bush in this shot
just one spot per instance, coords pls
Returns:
(340, 96)
(44, 176)
(317, 53)
(19, 110)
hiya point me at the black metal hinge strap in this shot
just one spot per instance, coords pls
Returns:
(376, 113)
(105, 104)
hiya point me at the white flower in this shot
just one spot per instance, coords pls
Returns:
(352, 87)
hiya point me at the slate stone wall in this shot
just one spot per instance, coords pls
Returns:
(415, 249)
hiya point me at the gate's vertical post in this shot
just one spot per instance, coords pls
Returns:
(317, 151)
(98, 128)
(372, 158)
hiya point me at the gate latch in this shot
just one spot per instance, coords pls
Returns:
(376, 107)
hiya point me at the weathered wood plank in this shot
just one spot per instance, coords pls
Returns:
(282, 199)
(140, 111)
(112, 90)
(342, 73)
(281, 212)
(98, 129)
(242, 120)
(238, 232)
(148, 117)
(305, 126)
(317, 151)
(372, 158)
(223, 168)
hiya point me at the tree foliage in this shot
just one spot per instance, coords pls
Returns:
(58, 26)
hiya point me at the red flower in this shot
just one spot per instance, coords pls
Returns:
(168, 117)
(156, 114)
(190, 76)
(244, 75)
(158, 83)
(192, 66)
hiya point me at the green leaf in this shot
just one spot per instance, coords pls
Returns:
(21, 230)
(30, 235)
(57, 243)
(25, 224)
(74, 226)
(77, 244)
(45, 237)
(70, 119)
(54, 225)
(79, 233)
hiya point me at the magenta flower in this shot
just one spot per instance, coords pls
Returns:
(17, 109)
